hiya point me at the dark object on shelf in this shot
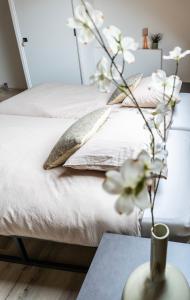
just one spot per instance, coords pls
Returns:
(145, 38)
(155, 39)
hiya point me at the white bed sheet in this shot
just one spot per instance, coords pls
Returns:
(55, 100)
(61, 205)
(173, 201)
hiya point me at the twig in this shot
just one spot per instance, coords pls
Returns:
(173, 107)
(120, 73)
(151, 205)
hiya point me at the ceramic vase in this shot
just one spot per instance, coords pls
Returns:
(157, 280)
(154, 45)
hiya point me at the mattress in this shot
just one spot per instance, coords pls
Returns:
(60, 205)
(181, 120)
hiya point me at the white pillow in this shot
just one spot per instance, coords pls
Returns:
(123, 136)
(145, 96)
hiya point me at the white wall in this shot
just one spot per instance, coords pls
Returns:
(10, 64)
(170, 17)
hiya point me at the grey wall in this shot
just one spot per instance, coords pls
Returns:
(170, 17)
(10, 64)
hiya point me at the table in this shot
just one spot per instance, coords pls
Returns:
(117, 256)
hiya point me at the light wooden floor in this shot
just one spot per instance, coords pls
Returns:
(6, 94)
(185, 87)
(19, 282)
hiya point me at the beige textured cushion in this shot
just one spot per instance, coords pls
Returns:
(117, 96)
(145, 96)
(78, 134)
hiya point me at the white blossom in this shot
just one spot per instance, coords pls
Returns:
(160, 113)
(167, 86)
(177, 54)
(131, 182)
(161, 152)
(84, 24)
(102, 77)
(119, 44)
(150, 166)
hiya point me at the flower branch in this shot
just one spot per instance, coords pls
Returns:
(127, 56)
(138, 180)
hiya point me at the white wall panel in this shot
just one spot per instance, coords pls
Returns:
(10, 64)
(51, 50)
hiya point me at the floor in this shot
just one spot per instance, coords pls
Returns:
(26, 283)
(185, 87)
(7, 93)
(18, 282)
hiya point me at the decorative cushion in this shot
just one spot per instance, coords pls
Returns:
(76, 136)
(145, 96)
(118, 96)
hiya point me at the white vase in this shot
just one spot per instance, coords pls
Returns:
(157, 280)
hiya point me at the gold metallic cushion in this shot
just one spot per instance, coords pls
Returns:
(118, 96)
(77, 135)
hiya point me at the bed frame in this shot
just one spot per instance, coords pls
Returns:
(25, 259)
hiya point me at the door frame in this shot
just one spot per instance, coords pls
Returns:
(19, 42)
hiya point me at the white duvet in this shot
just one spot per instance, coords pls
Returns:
(66, 205)
(61, 205)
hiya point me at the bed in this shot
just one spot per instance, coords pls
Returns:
(68, 205)
(60, 204)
